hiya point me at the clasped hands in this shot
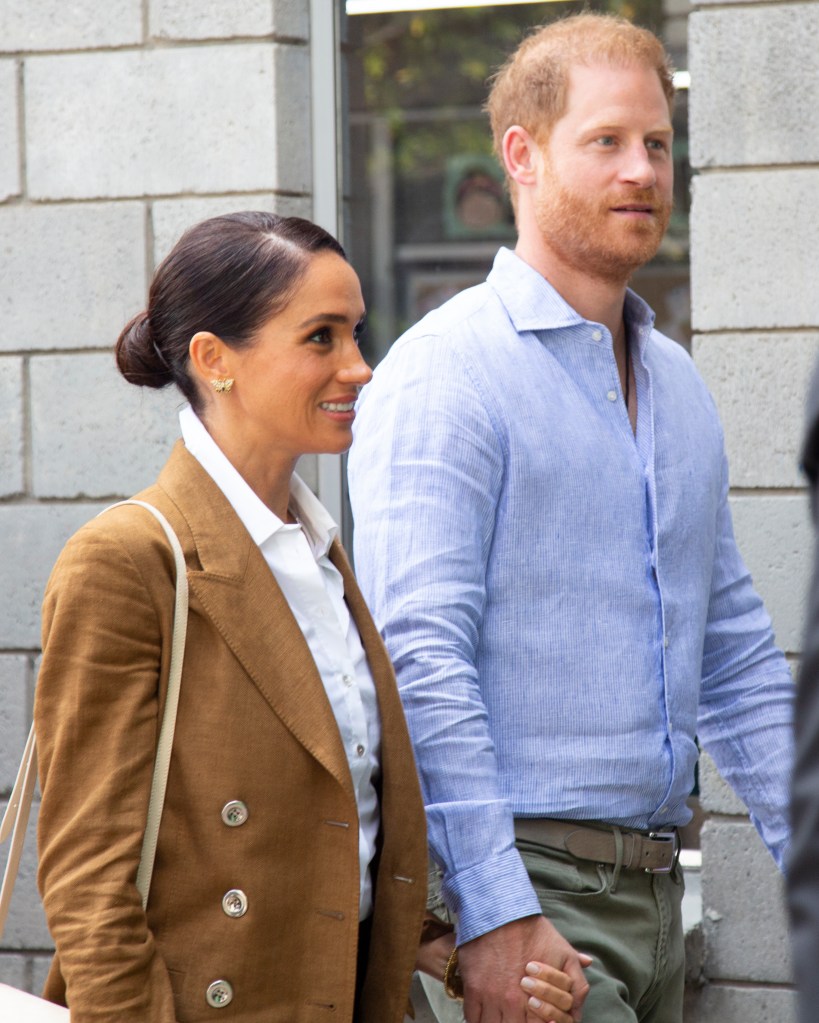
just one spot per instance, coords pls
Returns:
(521, 972)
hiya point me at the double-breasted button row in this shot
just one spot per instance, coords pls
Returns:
(234, 904)
(219, 994)
(235, 813)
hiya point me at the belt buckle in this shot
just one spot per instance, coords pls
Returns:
(666, 836)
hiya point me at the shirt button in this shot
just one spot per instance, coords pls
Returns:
(347, 680)
(234, 813)
(360, 750)
(219, 994)
(597, 334)
(234, 903)
(612, 395)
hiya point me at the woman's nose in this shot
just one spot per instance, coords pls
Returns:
(355, 370)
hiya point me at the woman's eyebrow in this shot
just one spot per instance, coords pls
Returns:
(324, 318)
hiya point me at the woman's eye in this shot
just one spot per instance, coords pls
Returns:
(322, 336)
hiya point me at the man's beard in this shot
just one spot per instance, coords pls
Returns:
(586, 236)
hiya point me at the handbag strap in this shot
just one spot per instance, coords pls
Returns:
(15, 822)
(162, 764)
(15, 819)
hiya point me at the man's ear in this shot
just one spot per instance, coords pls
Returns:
(521, 155)
(210, 356)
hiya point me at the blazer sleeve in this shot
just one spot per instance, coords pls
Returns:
(96, 716)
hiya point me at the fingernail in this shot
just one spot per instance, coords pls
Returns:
(532, 968)
(535, 1003)
(528, 984)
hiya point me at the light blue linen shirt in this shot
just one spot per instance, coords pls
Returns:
(564, 602)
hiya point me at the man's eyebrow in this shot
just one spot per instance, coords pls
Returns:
(661, 129)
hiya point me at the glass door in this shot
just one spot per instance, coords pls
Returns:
(427, 207)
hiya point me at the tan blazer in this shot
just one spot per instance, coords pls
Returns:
(259, 800)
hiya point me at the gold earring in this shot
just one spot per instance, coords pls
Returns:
(222, 385)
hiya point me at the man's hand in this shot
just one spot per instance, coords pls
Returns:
(492, 966)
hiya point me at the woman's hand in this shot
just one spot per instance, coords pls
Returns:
(433, 955)
(550, 992)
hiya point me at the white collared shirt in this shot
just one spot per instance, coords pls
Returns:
(314, 589)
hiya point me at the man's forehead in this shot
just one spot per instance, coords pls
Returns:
(603, 90)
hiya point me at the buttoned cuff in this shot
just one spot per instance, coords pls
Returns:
(489, 895)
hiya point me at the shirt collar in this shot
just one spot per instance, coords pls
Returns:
(533, 304)
(639, 317)
(318, 523)
(256, 517)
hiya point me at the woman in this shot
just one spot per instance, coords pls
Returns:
(289, 880)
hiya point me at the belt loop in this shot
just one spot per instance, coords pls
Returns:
(618, 863)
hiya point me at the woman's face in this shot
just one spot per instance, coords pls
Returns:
(297, 381)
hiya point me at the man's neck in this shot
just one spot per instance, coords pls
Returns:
(594, 299)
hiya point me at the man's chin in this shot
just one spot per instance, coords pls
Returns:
(618, 267)
(627, 259)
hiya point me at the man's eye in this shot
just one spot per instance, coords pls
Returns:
(658, 145)
(606, 140)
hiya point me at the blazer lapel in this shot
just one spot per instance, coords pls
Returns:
(239, 594)
(389, 702)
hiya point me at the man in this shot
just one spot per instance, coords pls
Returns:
(542, 531)
(803, 864)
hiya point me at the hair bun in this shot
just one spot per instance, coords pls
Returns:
(139, 359)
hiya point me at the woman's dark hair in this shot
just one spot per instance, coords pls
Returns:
(227, 275)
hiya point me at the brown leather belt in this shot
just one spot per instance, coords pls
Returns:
(655, 852)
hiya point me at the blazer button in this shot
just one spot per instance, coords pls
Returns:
(234, 813)
(219, 994)
(234, 902)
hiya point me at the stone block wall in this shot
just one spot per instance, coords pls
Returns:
(120, 124)
(755, 310)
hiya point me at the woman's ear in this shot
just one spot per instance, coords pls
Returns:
(210, 357)
(521, 155)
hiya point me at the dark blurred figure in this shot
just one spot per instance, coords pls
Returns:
(803, 870)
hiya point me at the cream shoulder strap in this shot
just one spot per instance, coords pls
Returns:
(15, 819)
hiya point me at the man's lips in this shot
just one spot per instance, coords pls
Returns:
(633, 208)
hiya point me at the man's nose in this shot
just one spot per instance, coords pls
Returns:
(638, 168)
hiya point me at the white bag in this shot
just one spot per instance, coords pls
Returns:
(20, 1006)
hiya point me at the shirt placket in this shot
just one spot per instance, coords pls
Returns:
(333, 636)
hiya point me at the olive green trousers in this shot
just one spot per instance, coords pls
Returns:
(628, 921)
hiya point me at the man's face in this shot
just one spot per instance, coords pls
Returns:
(604, 187)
